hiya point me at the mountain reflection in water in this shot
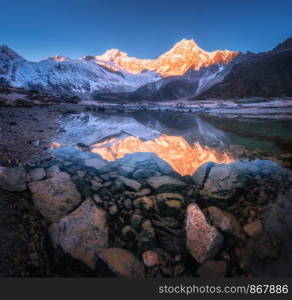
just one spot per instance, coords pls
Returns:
(183, 157)
(184, 140)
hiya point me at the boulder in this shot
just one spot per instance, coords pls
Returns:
(220, 183)
(165, 183)
(81, 233)
(202, 240)
(128, 233)
(100, 165)
(37, 174)
(212, 269)
(144, 203)
(170, 204)
(143, 173)
(254, 228)
(12, 179)
(55, 197)
(122, 262)
(147, 235)
(150, 258)
(143, 192)
(201, 174)
(130, 183)
(147, 161)
(136, 221)
(52, 171)
(224, 220)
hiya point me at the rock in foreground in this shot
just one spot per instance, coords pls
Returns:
(165, 183)
(55, 197)
(203, 240)
(82, 232)
(122, 262)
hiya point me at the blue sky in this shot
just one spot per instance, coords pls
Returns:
(38, 29)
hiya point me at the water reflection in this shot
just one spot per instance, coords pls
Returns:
(184, 140)
(183, 157)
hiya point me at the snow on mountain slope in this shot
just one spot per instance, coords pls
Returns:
(184, 55)
(116, 72)
(61, 74)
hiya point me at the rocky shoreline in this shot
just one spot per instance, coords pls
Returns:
(136, 217)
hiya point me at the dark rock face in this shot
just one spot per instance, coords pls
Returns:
(267, 74)
(286, 45)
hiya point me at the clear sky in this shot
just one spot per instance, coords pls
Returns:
(142, 28)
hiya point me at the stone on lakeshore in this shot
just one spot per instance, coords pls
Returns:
(144, 203)
(201, 174)
(52, 171)
(143, 192)
(130, 183)
(150, 258)
(142, 160)
(147, 233)
(136, 220)
(165, 183)
(254, 228)
(170, 204)
(101, 165)
(221, 183)
(12, 179)
(37, 174)
(203, 241)
(128, 233)
(55, 197)
(82, 232)
(122, 262)
(224, 220)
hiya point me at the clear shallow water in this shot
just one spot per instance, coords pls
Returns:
(184, 140)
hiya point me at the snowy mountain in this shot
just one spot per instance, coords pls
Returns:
(185, 69)
(179, 59)
(64, 75)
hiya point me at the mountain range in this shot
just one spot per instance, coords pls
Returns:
(185, 71)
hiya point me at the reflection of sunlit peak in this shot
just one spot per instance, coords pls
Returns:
(176, 151)
(55, 145)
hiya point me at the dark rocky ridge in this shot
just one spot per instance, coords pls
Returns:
(267, 74)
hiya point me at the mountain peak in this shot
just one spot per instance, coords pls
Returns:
(287, 44)
(59, 58)
(186, 44)
(112, 55)
(5, 50)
